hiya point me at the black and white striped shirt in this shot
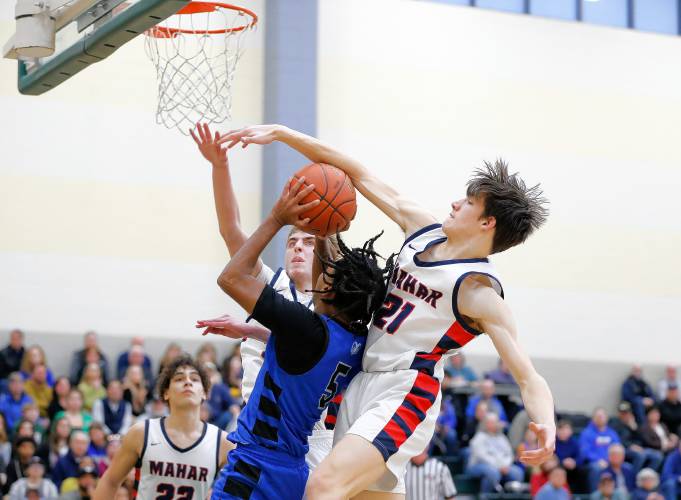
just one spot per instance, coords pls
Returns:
(429, 481)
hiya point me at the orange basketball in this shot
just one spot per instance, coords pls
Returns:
(336, 193)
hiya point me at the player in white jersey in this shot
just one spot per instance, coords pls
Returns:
(175, 457)
(443, 295)
(292, 282)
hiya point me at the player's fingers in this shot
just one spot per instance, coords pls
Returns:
(199, 129)
(196, 140)
(206, 131)
(308, 206)
(303, 222)
(297, 185)
(217, 137)
(231, 144)
(302, 193)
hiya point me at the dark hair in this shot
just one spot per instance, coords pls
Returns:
(166, 375)
(358, 283)
(518, 210)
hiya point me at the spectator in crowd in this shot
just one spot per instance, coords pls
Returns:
(90, 346)
(606, 489)
(459, 372)
(528, 443)
(26, 428)
(232, 370)
(594, 442)
(135, 356)
(638, 393)
(539, 475)
(113, 412)
(428, 479)
(12, 402)
(87, 482)
(78, 418)
(655, 434)
(623, 473)
(501, 374)
(647, 482)
(31, 414)
(39, 390)
(136, 389)
(157, 408)
(629, 432)
(444, 440)
(221, 405)
(671, 377)
(173, 350)
(58, 442)
(670, 409)
(567, 446)
(33, 357)
(67, 465)
(11, 356)
(556, 487)
(60, 393)
(91, 386)
(5, 444)
(113, 444)
(34, 480)
(519, 425)
(487, 395)
(98, 442)
(207, 353)
(491, 456)
(473, 424)
(24, 449)
(671, 475)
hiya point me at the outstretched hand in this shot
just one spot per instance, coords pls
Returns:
(208, 144)
(256, 134)
(288, 208)
(546, 439)
(225, 325)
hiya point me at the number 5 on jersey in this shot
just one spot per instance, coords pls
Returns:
(331, 390)
(391, 306)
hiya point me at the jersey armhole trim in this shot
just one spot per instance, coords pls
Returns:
(419, 232)
(146, 439)
(455, 294)
(217, 453)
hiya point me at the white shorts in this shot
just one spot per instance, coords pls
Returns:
(320, 443)
(396, 412)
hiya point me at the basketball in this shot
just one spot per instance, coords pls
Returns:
(336, 193)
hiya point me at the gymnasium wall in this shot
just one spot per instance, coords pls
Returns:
(423, 92)
(106, 218)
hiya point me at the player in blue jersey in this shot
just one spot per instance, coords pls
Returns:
(310, 356)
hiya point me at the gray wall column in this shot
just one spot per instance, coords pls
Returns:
(290, 96)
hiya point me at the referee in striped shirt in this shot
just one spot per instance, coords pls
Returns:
(428, 479)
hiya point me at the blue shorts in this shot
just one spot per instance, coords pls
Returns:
(257, 473)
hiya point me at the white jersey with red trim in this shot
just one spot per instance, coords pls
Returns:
(419, 324)
(167, 471)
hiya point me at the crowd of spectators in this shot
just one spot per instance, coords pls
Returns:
(59, 431)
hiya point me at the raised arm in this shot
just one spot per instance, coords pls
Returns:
(123, 462)
(237, 279)
(226, 207)
(487, 309)
(403, 211)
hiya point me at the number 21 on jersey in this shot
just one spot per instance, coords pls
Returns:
(392, 306)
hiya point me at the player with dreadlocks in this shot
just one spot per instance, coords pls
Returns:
(309, 358)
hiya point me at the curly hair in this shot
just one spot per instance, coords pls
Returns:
(518, 210)
(169, 370)
(358, 283)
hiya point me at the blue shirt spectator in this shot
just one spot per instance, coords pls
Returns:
(638, 393)
(622, 472)
(567, 446)
(493, 404)
(222, 406)
(501, 374)
(671, 475)
(12, 402)
(68, 464)
(135, 356)
(556, 487)
(596, 439)
(460, 371)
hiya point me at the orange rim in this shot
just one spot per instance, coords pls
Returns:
(203, 8)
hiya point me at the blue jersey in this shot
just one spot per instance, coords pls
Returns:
(284, 407)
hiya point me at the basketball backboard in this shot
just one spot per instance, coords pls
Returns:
(55, 39)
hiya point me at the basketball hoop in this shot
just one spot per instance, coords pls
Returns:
(195, 53)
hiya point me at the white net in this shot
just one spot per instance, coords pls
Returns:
(195, 55)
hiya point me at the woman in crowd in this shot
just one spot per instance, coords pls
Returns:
(135, 389)
(33, 356)
(77, 417)
(172, 351)
(92, 386)
(62, 387)
(58, 442)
